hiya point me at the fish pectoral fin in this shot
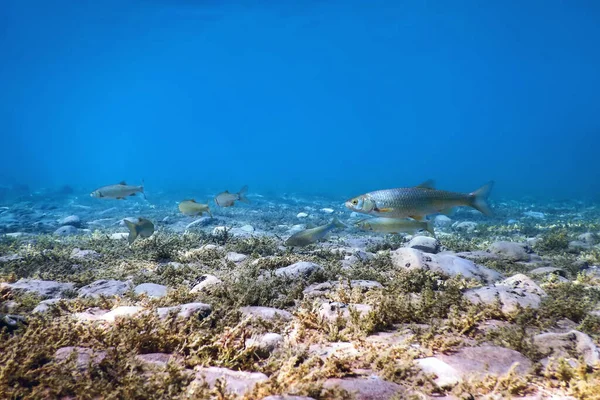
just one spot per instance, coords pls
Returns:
(416, 217)
(428, 184)
(122, 183)
(384, 210)
(447, 211)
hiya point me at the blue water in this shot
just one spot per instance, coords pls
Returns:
(332, 98)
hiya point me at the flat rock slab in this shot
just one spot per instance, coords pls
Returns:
(473, 362)
(570, 345)
(425, 243)
(159, 360)
(325, 288)
(236, 382)
(235, 257)
(186, 311)
(511, 251)
(368, 388)
(151, 290)
(205, 282)
(46, 289)
(517, 291)
(266, 313)
(80, 254)
(298, 270)
(84, 356)
(445, 263)
(104, 288)
(44, 306)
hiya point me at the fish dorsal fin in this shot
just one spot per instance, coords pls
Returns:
(192, 200)
(428, 184)
(123, 183)
(227, 191)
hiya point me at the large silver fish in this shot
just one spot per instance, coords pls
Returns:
(394, 225)
(419, 201)
(119, 191)
(142, 227)
(226, 199)
(312, 235)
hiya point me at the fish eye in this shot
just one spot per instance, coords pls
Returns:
(355, 202)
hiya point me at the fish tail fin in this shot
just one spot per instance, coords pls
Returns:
(208, 209)
(337, 223)
(133, 233)
(479, 198)
(142, 190)
(242, 194)
(429, 226)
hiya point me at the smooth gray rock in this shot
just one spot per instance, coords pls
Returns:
(367, 388)
(465, 226)
(266, 313)
(576, 245)
(72, 220)
(44, 306)
(151, 290)
(298, 270)
(446, 263)
(265, 344)
(66, 230)
(589, 238)
(84, 356)
(511, 251)
(84, 254)
(235, 257)
(442, 221)
(544, 271)
(186, 311)
(236, 382)
(329, 287)
(518, 290)
(333, 310)
(425, 243)
(104, 287)
(205, 282)
(570, 345)
(46, 289)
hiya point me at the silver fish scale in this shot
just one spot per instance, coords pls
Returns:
(414, 201)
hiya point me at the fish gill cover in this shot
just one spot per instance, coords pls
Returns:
(227, 199)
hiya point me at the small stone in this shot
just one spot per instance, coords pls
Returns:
(235, 257)
(104, 287)
(588, 238)
(327, 210)
(151, 290)
(236, 382)
(44, 306)
(84, 254)
(298, 270)
(266, 313)
(576, 246)
(10, 257)
(219, 230)
(510, 251)
(120, 312)
(66, 230)
(368, 388)
(514, 292)
(84, 356)
(287, 397)
(323, 289)
(442, 221)
(535, 215)
(247, 228)
(302, 215)
(155, 359)
(119, 236)
(265, 344)
(465, 226)
(46, 289)
(72, 220)
(205, 282)
(571, 346)
(10, 306)
(186, 311)
(425, 243)
(545, 271)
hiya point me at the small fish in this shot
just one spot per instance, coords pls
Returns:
(393, 225)
(190, 207)
(119, 191)
(143, 228)
(312, 235)
(419, 201)
(227, 199)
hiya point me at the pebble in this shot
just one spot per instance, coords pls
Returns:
(333, 310)
(535, 214)
(518, 290)
(186, 311)
(570, 345)
(205, 282)
(511, 251)
(266, 313)
(46, 289)
(247, 228)
(44, 306)
(235, 257)
(298, 270)
(84, 254)
(72, 220)
(425, 243)
(302, 215)
(151, 290)
(265, 344)
(326, 288)
(237, 383)
(327, 210)
(84, 356)
(104, 287)
(119, 236)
